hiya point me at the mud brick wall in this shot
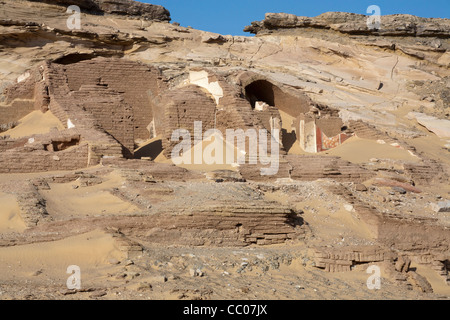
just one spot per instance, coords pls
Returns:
(58, 91)
(41, 96)
(238, 224)
(101, 149)
(23, 97)
(415, 236)
(423, 239)
(12, 143)
(426, 172)
(111, 113)
(252, 172)
(343, 259)
(182, 107)
(236, 111)
(23, 89)
(135, 81)
(65, 105)
(367, 131)
(17, 110)
(313, 167)
(136, 169)
(29, 160)
(290, 102)
(266, 115)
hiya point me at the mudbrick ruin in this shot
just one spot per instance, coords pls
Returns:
(87, 175)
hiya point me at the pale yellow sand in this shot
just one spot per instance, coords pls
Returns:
(63, 199)
(207, 156)
(10, 219)
(296, 149)
(35, 122)
(437, 282)
(335, 224)
(432, 146)
(359, 150)
(87, 251)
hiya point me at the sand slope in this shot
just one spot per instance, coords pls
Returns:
(63, 200)
(88, 251)
(35, 122)
(10, 219)
(358, 150)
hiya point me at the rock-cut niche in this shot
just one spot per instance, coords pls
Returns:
(289, 106)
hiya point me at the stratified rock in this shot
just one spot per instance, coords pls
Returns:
(391, 25)
(121, 7)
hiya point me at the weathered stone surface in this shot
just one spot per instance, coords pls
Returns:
(122, 7)
(440, 127)
(122, 84)
(398, 25)
(441, 206)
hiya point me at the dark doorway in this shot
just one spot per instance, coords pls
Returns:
(260, 90)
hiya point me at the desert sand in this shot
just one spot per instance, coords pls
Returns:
(10, 219)
(34, 123)
(359, 150)
(105, 194)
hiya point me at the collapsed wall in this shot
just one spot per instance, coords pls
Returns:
(105, 100)
(29, 93)
(114, 104)
(136, 83)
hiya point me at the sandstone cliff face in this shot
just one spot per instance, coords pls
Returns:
(121, 7)
(127, 77)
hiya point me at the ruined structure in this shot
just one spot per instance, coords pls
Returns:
(355, 179)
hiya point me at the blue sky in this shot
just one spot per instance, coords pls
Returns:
(230, 17)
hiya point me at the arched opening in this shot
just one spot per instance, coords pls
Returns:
(265, 91)
(288, 105)
(260, 90)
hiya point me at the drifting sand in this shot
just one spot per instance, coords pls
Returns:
(335, 225)
(432, 146)
(63, 200)
(207, 155)
(10, 219)
(359, 150)
(35, 122)
(437, 282)
(88, 251)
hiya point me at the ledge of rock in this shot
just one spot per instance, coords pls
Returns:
(351, 23)
(120, 7)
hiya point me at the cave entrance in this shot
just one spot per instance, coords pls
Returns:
(260, 90)
(288, 105)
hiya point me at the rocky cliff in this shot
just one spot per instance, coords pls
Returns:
(351, 23)
(86, 120)
(121, 7)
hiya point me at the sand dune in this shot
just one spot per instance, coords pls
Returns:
(35, 122)
(88, 251)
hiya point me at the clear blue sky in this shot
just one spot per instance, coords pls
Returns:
(230, 17)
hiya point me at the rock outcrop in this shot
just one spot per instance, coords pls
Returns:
(121, 7)
(355, 122)
(351, 23)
